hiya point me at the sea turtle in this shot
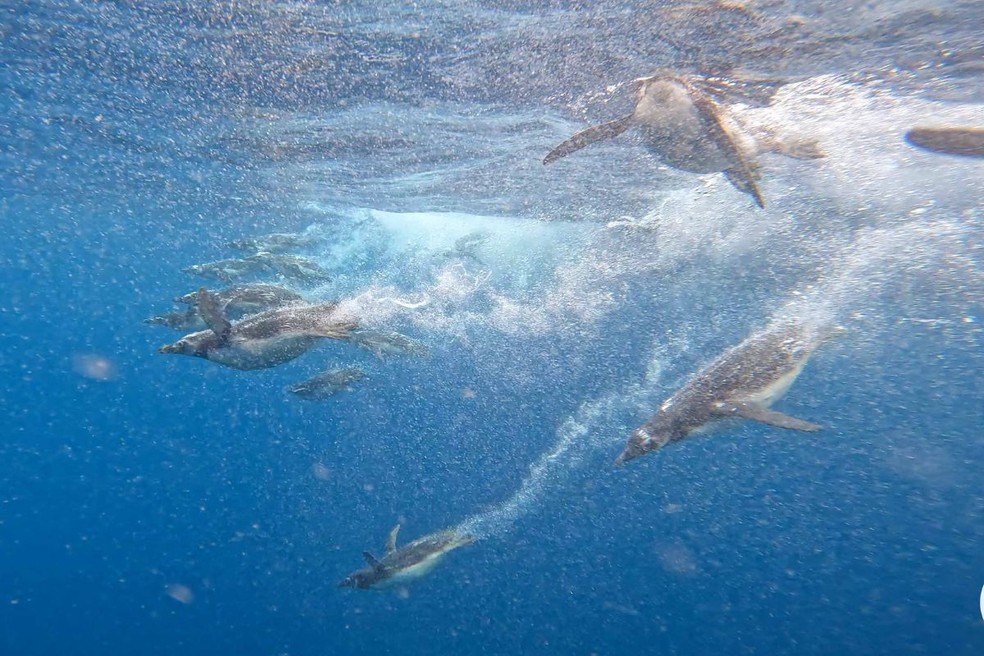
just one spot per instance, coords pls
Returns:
(683, 123)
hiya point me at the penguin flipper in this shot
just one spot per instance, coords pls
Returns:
(586, 137)
(391, 539)
(212, 315)
(371, 560)
(763, 415)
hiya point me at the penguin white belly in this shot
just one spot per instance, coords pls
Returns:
(261, 353)
(413, 572)
(775, 390)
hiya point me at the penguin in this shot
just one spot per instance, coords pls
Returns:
(277, 242)
(227, 270)
(327, 384)
(743, 382)
(236, 302)
(403, 565)
(262, 340)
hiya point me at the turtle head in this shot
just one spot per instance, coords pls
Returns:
(659, 75)
(659, 87)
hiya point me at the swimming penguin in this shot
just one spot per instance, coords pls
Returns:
(465, 247)
(383, 343)
(181, 320)
(968, 142)
(227, 270)
(294, 267)
(683, 125)
(407, 563)
(262, 340)
(742, 382)
(241, 300)
(327, 384)
(236, 302)
(277, 242)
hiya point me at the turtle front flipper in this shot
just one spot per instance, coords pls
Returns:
(589, 136)
(741, 173)
(744, 181)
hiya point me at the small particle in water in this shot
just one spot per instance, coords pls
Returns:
(677, 559)
(621, 608)
(403, 593)
(368, 487)
(969, 319)
(92, 366)
(672, 508)
(468, 393)
(180, 593)
(320, 472)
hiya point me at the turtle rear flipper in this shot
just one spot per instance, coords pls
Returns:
(791, 146)
(586, 137)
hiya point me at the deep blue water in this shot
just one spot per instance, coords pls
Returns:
(157, 504)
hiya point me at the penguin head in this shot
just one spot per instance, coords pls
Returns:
(643, 440)
(183, 346)
(360, 580)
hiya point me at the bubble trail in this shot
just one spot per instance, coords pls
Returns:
(598, 424)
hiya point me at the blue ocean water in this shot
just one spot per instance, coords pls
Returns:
(157, 504)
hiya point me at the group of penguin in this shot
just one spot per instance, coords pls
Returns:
(258, 325)
(684, 121)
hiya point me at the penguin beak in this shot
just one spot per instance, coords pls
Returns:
(168, 348)
(629, 453)
(636, 446)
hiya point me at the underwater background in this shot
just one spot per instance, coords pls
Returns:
(152, 504)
